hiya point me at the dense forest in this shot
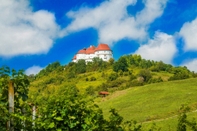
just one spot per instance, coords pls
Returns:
(63, 95)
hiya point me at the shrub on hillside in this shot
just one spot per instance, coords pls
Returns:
(112, 77)
(71, 75)
(116, 83)
(146, 74)
(132, 77)
(155, 80)
(90, 90)
(179, 73)
(102, 87)
(92, 78)
(134, 82)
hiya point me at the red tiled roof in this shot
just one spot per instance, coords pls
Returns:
(90, 50)
(102, 47)
(75, 57)
(83, 51)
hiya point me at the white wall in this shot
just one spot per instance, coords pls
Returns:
(104, 55)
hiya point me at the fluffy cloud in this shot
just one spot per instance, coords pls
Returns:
(33, 70)
(162, 47)
(189, 33)
(191, 65)
(152, 10)
(113, 22)
(24, 31)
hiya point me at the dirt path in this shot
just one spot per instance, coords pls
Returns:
(167, 118)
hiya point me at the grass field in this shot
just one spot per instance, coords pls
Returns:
(158, 102)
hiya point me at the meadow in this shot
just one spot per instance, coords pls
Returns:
(154, 103)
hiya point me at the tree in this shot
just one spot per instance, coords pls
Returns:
(111, 61)
(97, 63)
(146, 74)
(180, 73)
(121, 64)
(80, 66)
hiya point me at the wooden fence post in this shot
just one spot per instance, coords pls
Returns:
(11, 104)
(33, 114)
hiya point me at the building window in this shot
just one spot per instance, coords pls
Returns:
(105, 57)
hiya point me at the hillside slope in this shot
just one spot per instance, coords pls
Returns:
(140, 89)
(153, 102)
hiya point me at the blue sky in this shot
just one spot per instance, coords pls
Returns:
(36, 33)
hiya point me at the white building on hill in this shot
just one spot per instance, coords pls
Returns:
(102, 51)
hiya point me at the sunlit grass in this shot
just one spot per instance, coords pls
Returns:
(152, 102)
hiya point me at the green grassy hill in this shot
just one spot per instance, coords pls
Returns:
(142, 90)
(157, 103)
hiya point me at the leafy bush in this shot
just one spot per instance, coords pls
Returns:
(73, 112)
(135, 82)
(183, 122)
(90, 90)
(155, 80)
(179, 73)
(146, 74)
(92, 78)
(71, 75)
(112, 77)
(19, 83)
(102, 87)
(115, 83)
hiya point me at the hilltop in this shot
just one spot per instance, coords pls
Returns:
(99, 75)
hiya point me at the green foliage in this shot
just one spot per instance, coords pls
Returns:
(111, 61)
(71, 111)
(115, 83)
(92, 78)
(134, 83)
(146, 74)
(134, 59)
(80, 66)
(155, 80)
(71, 75)
(121, 64)
(96, 65)
(137, 103)
(102, 87)
(183, 123)
(160, 66)
(179, 73)
(51, 67)
(131, 76)
(112, 77)
(90, 90)
(106, 80)
(20, 83)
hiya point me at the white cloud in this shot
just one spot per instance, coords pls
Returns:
(113, 22)
(33, 70)
(152, 10)
(189, 33)
(24, 31)
(162, 47)
(191, 65)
